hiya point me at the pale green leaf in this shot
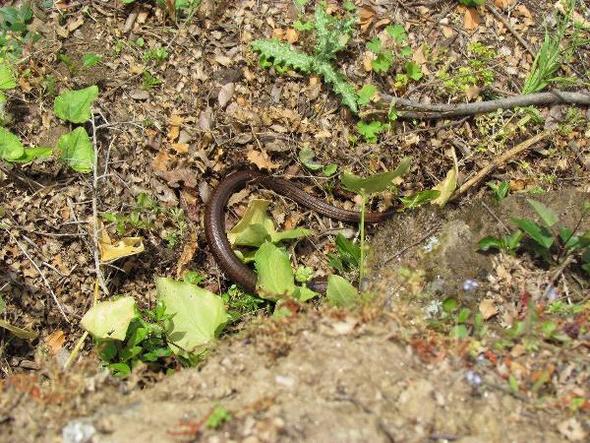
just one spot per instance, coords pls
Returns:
(275, 276)
(340, 292)
(377, 182)
(366, 94)
(419, 198)
(75, 106)
(254, 227)
(548, 215)
(303, 294)
(7, 80)
(76, 150)
(25, 334)
(307, 157)
(32, 154)
(289, 234)
(110, 319)
(11, 147)
(446, 188)
(197, 315)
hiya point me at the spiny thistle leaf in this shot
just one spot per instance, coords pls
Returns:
(283, 54)
(332, 34)
(341, 87)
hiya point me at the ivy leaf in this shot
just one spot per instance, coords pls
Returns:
(74, 106)
(365, 95)
(196, 316)
(76, 150)
(340, 292)
(275, 276)
(414, 71)
(110, 319)
(538, 233)
(548, 216)
(376, 182)
(397, 32)
(11, 147)
(419, 198)
(7, 80)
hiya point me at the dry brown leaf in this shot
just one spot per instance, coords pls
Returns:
(487, 308)
(572, 429)
(472, 92)
(173, 133)
(366, 15)
(523, 11)
(292, 35)
(471, 19)
(225, 94)
(175, 120)
(160, 161)
(261, 160)
(503, 4)
(181, 148)
(447, 31)
(55, 341)
(188, 252)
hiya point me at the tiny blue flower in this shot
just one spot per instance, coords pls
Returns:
(470, 284)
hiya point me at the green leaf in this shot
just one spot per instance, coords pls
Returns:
(383, 62)
(548, 327)
(374, 45)
(490, 242)
(32, 154)
(303, 26)
(302, 274)
(365, 95)
(255, 226)
(2, 304)
(370, 130)
(538, 233)
(75, 149)
(289, 234)
(330, 169)
(568, 239)
(463, 315)
(397, 32)
(548, 216)
(275, 276)
(376, 182)
(446, 187)
(500, 189)
(512, 241)
(414, 71)
(472, 3)
(110, 319)
(196, 315)
(282, 53)
(89, 60)
(303, 294)
(349, 252)
(11, 147)
(219, 416)
(450, 305)
(459, 332)
(120, 369)
(7, 80)
(340, 292)
(339, 83)
(419, 198)
(75, 106)
(406, 52)
(307, 156)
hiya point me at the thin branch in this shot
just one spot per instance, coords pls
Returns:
(409, 109)
(26, 254)
(502, 159)
(508, 26)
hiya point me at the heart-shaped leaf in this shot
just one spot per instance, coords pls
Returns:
(76, 150)
(74, 106)
(340, 292)
(10, 146)
(275, 276)
(110, 319)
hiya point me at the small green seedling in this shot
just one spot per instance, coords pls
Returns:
(307, 158)
(218, 417)
(150, 81)
(500, 189)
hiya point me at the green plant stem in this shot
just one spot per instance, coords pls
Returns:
(362, 234)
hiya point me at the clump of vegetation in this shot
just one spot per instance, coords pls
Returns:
(14, 32)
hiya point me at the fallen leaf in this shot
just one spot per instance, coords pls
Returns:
(175, 120)
(181, 148)
(447, 31)
(366, 15)
(173, 133)
(292, 35)
(55, 341)
(503, 4)
(472, 92)
(471, 19)
(160, 161)
(447, 186)
(188, 252)
(487, 308)
(261, 160)
(125, 247)
(225, 94)
(571, 429)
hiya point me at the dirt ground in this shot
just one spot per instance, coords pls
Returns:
(390, 371)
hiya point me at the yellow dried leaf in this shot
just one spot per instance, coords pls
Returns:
(471, 19)
(123, 248)
(448, 185)
(173, 133)
(176, 120)
(503, 4)
(55, 341)
(160, 161)
(292, 35)
(181, 148)
(487, 308)
(261, 159)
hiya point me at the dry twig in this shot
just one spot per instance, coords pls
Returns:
(508, 26)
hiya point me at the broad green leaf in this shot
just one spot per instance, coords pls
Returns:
(463, 315)
(75, 149)
(340, 292)
(377, 182)
(446, 187)
(450, 305)
(370, 130)
(490, 242)
(7, 80)
(538, 233)
(419, 198)
(289, 234)
(196, 315)
(32, 154)
(307, 157)
(110, 319)
(302, 274)
(25, 334)
(75, 106)
(414, 71)
(120, 369)
(548, 215)
(500, 189)
(348, 250)
(11, 147)
(383, 62)
(275, 276)
(254, 228)
(568, 239)
(365, 95)
(513, 240)
(397, 32)
(459, 331)
(89, 60)
(330, 169)
(303, 294)
(374, 45)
